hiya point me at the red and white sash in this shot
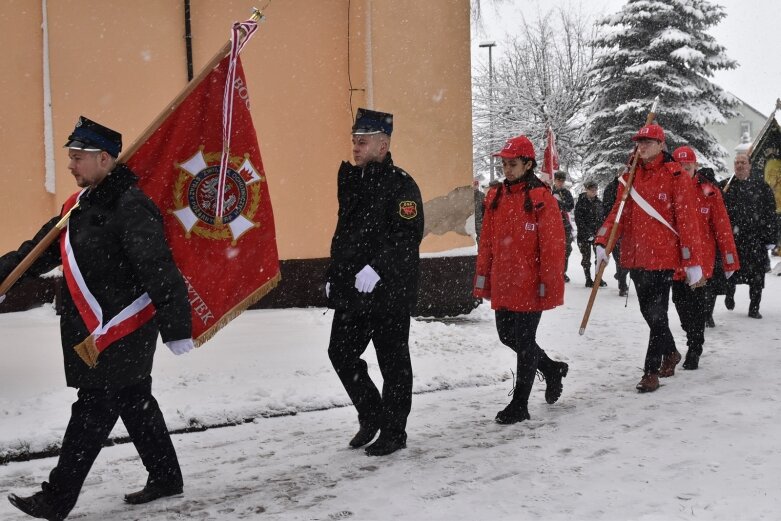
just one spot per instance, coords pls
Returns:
(102, 334)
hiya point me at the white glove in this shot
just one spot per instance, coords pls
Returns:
(2, 298)
(602, 256)
(180, 347)
(728, 274)
(693, 274)
(327, 289)
(366, 279)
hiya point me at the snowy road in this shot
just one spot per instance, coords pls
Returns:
(704, 446)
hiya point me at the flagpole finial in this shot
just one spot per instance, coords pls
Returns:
(656, 104)
(257, 14)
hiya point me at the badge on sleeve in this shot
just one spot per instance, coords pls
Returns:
(408, 209)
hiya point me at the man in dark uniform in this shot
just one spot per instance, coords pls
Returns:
(372, 282)
(609, 197)
(117, 258)
(752, 211)
(588, 217)
(566, 205)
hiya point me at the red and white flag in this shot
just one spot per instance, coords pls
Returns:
(550, 163)
(202, 167)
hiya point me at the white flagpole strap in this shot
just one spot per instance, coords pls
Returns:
(646, 206)
(245, 29)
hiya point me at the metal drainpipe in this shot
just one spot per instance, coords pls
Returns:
(369, 60)
(48, 131)
(188, 39)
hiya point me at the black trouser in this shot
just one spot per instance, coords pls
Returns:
(653, 294)
(585, 248)
(93, 416)
(693, 309)
(518, 331)
(350, 335)
(621, 273)
(567, 252)
(755, 287)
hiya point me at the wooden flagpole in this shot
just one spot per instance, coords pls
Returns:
(613, 238)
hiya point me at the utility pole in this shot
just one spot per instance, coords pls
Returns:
(490, 45)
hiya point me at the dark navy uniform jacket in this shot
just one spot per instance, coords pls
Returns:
(380, 223)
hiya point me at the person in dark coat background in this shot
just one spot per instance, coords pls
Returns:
(609, 196)
(118, 249)
(372, 282)
(588, 217)
(752, 211)
(566, 205)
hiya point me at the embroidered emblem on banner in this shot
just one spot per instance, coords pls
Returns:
(662, 196)
(704, 209)
(195, 194)
(531, 227)
(408, 209)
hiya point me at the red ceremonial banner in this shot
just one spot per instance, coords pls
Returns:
(550, 162)
(229, 260)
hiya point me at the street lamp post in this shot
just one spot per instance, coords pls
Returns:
(490, 45)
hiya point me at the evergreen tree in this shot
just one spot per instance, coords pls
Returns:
(650, 48)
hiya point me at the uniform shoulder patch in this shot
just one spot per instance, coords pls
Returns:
(408, 209)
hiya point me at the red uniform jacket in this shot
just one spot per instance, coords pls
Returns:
(520, 262)
(716, 229)
(646, 243)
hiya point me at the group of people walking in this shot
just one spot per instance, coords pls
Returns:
(676, 235)
(680, 232)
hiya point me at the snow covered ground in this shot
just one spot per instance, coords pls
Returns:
(704, 446)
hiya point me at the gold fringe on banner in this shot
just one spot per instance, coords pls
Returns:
(238, 310)
(88, 351)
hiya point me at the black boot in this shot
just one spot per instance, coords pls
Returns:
(692, 361)
(364, 435)
(513, 413)
(36, 506)
(589, 280)
(755, 297)
(553, 377)
(387, 444)
(152, 492)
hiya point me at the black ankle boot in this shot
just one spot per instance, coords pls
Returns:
(692, 361)
(553, 383)
(513, 413)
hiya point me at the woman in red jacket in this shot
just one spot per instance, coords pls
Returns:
(520, 268)
(692, 304)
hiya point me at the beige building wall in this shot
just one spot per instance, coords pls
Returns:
(120, 63)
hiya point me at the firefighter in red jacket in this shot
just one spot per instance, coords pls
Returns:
(520, 268)
(692, 303)
(660, 233)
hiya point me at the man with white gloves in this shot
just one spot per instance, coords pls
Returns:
(660, 233)
(372, 282)
(122, 289)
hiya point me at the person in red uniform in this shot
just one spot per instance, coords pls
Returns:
(660, 233)
(520, 268)
(692, 303)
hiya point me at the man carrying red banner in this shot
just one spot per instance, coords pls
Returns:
(119, 273)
